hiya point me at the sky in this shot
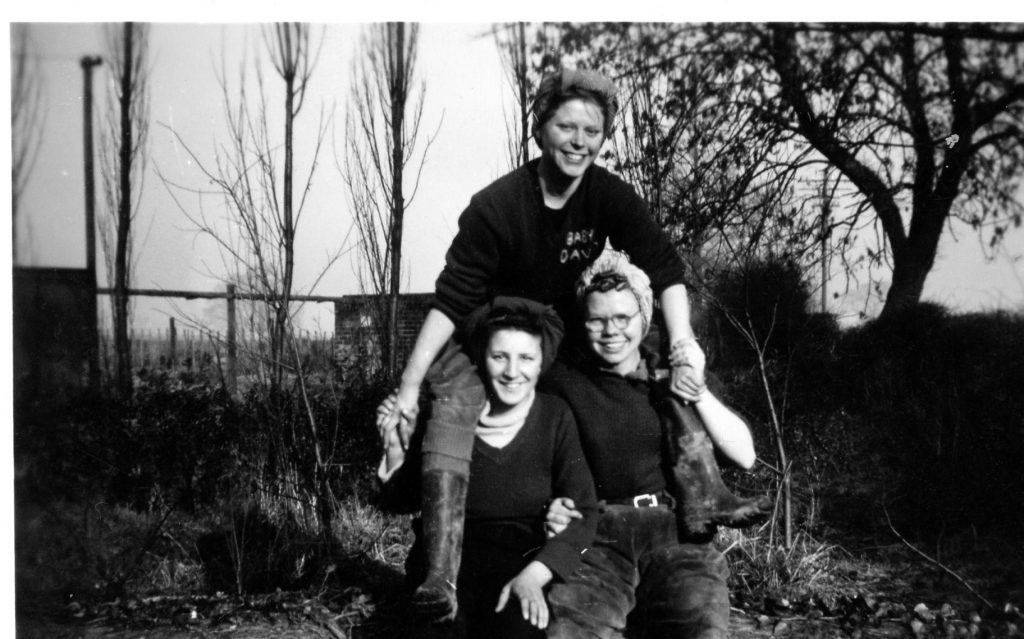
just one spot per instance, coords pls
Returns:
(464, 104)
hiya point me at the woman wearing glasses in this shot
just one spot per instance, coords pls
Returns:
(648, 562)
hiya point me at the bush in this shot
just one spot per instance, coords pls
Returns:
(941, 393)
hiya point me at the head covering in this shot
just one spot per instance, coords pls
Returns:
(615, 263)
(515, 313)
(553, 91)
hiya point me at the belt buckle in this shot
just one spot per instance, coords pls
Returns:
(645, 501)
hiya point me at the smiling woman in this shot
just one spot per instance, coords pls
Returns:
(525, 453)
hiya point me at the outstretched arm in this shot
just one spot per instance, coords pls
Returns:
(727, 430)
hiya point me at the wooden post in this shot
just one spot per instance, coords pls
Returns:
(232, 372)
(172, 356)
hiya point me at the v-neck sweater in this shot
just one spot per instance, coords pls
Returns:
(510, 488)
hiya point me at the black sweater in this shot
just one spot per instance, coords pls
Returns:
(510, 487)
(509, 243)
(619, 428)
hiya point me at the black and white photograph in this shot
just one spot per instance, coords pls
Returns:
(627, 326)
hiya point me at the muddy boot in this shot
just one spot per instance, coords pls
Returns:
(444, 510)
(704, 500)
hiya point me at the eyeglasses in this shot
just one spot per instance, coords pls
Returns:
(598, 324)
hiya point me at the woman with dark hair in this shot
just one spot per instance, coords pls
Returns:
(529, 234)
(525, 452)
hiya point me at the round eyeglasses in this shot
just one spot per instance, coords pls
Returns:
(598, 324)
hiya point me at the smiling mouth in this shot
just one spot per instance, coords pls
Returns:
(574, 157)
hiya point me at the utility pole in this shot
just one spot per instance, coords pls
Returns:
(87, 63)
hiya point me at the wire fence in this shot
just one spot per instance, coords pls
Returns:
(206, 352)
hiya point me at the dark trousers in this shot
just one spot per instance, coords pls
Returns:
(637, 575)
(486, 568)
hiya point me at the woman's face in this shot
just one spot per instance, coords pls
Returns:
(513, 361)
(617, 348)
(571, 139)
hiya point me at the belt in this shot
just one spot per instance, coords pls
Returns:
(647, 500)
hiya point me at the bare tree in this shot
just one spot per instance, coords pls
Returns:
(382, 128)
(123, 139)
(527, 51)
(513, 46)
(261, 177)
(254, 173)
(925, 122)
(28, 116)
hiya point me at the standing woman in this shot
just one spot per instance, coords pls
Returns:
(529, 234)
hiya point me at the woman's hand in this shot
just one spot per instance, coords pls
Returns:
(396, 418)
(528, 588)
(561, 512)
(687, 360)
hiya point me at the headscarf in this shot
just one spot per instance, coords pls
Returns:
(616, 263)
(554, 87)
(517, 313)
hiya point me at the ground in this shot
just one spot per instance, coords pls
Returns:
(883, 592)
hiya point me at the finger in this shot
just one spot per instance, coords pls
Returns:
(543, 615)
(405, 432)
(503, 597)
(524, 606)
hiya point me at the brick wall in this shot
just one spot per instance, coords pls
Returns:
(354, 323)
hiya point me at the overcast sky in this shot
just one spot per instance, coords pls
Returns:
(465, 101)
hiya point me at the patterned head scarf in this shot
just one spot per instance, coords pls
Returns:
(613, 270)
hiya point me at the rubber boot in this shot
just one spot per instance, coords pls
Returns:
(704, 500)
(443, 518)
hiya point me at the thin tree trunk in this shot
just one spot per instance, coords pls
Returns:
(124, 221)
(398, 98)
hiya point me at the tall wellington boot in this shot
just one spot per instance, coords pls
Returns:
(704, 500)
(443, 518)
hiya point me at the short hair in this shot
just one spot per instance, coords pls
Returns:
(558, 88)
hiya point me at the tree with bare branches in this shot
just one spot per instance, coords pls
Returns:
(28, 115)
(254, 172)
(382, 129)
(123, 154)
(923, 122)
(527, 51)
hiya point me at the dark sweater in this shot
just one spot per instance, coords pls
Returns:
(619, 429)
(509, 490)
(509, 243)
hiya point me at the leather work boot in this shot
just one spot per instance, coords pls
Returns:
(704, 499)
(443, 517)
